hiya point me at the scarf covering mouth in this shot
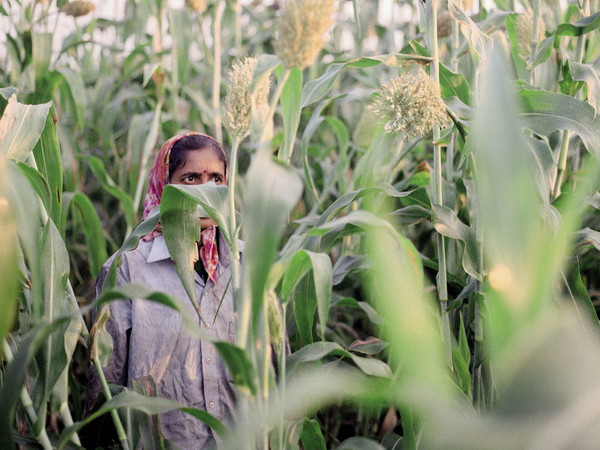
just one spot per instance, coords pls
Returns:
(158, 179)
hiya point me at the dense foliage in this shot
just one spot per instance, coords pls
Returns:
(416, 183)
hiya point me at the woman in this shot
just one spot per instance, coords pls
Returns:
(148, 338)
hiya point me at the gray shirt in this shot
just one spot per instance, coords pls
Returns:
(149, 339)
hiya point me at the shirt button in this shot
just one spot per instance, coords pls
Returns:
(211, 405)
(208, 361)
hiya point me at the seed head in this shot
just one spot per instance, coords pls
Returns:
(196, 5)
(410, 104)
(444, 25)
(301, 31)
(78, 8)
(524, 28)
(240, 101)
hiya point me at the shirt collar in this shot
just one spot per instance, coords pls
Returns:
(158, 251)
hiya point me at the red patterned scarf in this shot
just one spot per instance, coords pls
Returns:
(158, 179)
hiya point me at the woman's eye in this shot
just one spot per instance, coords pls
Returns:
(189, 179)
(217, 179)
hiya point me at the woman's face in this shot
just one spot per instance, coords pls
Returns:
(200, 166)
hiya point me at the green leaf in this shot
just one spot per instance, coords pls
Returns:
(546, 112)
(575, 291)
(180, 26)
(99, 171)
(9, 246)
(311, 435)
(92, 228)
(452, 84)
(180, 219)
(21, 127)
(75, 92)
(588, 73)
(239, 365)
(305, 306)
(271, 192)
(41, 48)
(319, 350)
(49, 161)
(181, 229)
(148, 405)
(320, 264)
(291, 108)
(447, 223)
(15, 373)
(580, 27)
(370, 346)
(479, 42)
(38, 183)
(316, 89)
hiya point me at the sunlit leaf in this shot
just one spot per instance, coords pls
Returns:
(21, 127)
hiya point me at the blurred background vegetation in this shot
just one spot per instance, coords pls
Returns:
(439, 290)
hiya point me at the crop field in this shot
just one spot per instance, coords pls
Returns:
(416, 184)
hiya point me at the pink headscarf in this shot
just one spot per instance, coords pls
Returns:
(158, 179)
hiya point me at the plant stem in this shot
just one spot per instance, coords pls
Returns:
(535, 22)
(564, 148)
(216, 87)
(42, 438)
(274, 102)
(234, 250)
(437, 184)
(115, 415)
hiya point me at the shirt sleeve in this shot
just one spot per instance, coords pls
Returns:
(118, 326)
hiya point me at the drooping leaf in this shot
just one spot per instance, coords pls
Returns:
(74, 88)
(580, 27)
(545, 112)
(319, 350)
(21, 127)
(239, 366)
(98, 169)
(588, 73)
(148, 405)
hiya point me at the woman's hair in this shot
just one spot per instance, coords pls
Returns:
(190, 143)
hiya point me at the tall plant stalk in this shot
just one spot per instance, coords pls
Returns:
(437, 179)
(566, 137)
(280, 85)
(535, 37)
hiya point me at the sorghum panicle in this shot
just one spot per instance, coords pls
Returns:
(78, 8)
(524, 28)
(240, 101)
(301, 30)
(196, 5)
(410, 104)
